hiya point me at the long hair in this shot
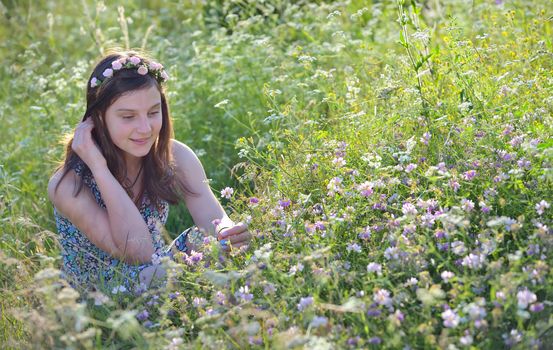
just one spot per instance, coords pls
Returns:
(160, 180)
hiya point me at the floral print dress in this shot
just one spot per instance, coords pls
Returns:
(86, 265)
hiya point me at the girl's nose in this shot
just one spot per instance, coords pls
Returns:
(144, 126)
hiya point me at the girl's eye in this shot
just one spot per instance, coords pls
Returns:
(154, 113)
(128, 116)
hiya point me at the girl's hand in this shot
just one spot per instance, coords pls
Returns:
(86, 148)
(236, 236)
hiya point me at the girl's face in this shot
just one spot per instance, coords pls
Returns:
(134, 121)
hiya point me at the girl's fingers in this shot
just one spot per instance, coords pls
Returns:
(227, 232)
(241, 237)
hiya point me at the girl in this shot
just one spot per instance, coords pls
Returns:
(121, 170)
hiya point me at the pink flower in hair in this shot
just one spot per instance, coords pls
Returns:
(134, 60)
(108, 73)
(164, 76)
(142, 70)
(122, 60)
(116, 65)
(93, 82)
(155, 66)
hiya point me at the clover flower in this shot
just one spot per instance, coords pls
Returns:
(244, 294)
(304, 303)
(541, 206)
(353, 247)
(382, 297)
(524, 298)
(374, 267)
(447, 275)
(409, 209)
(227, 192)
(450, 318)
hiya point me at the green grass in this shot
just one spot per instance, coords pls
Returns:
(312, 103)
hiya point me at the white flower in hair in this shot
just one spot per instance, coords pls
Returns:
(93, 82)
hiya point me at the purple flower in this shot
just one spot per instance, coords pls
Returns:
(304, 303)
(244, 294)
(374, 267)
(353, 246)
(454, 185)
(142, 316)
(541, 206)
(536, 307)
(469, 175)
(525, 297)
(450, 318)
(194, 257)
(409, 209)
(467, 204)
(284, 203)
(375, 340)
(410, 167)
(253, 201)
(382, 297)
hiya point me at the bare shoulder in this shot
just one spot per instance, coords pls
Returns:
(61, 188)
(183, 155)
(181, 151)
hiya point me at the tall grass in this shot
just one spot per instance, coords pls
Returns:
(393, 159)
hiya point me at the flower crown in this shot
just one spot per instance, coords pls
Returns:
(153, 68)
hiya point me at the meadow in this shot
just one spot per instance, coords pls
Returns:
(393, 160)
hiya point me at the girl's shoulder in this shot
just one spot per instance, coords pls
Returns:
(182, 154)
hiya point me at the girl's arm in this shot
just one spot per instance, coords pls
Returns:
(205, 208)
(119, 229)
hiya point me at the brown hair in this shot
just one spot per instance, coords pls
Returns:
(160, 181)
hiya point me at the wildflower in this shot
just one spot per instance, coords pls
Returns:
(447, 275)
(304, 303)
(469, 175)
(375, 340)
(524, 298)
(474, 261)
(454, 185)
(119, 289)
(284, 203)
(458, 247)
(339, 162)
(382, 297)
(409, 209)
(391, 253)
(413, 281)
(450, 318)
(541, 206)
(374, 267)
(142, 316)
(253, 201)
(353, 246)
(467, 204)
(220, 298)
(536, 307)
(365, 234)
(365, 189)
(425, 138)
(227, 192)
(467, 339)
(175, 343)
(318, 321)
(410, 167)
(269, 288)
(244, 294)
(199, 302)
(193, 258)
(334, 186)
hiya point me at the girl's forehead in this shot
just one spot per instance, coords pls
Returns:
(136, 99)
